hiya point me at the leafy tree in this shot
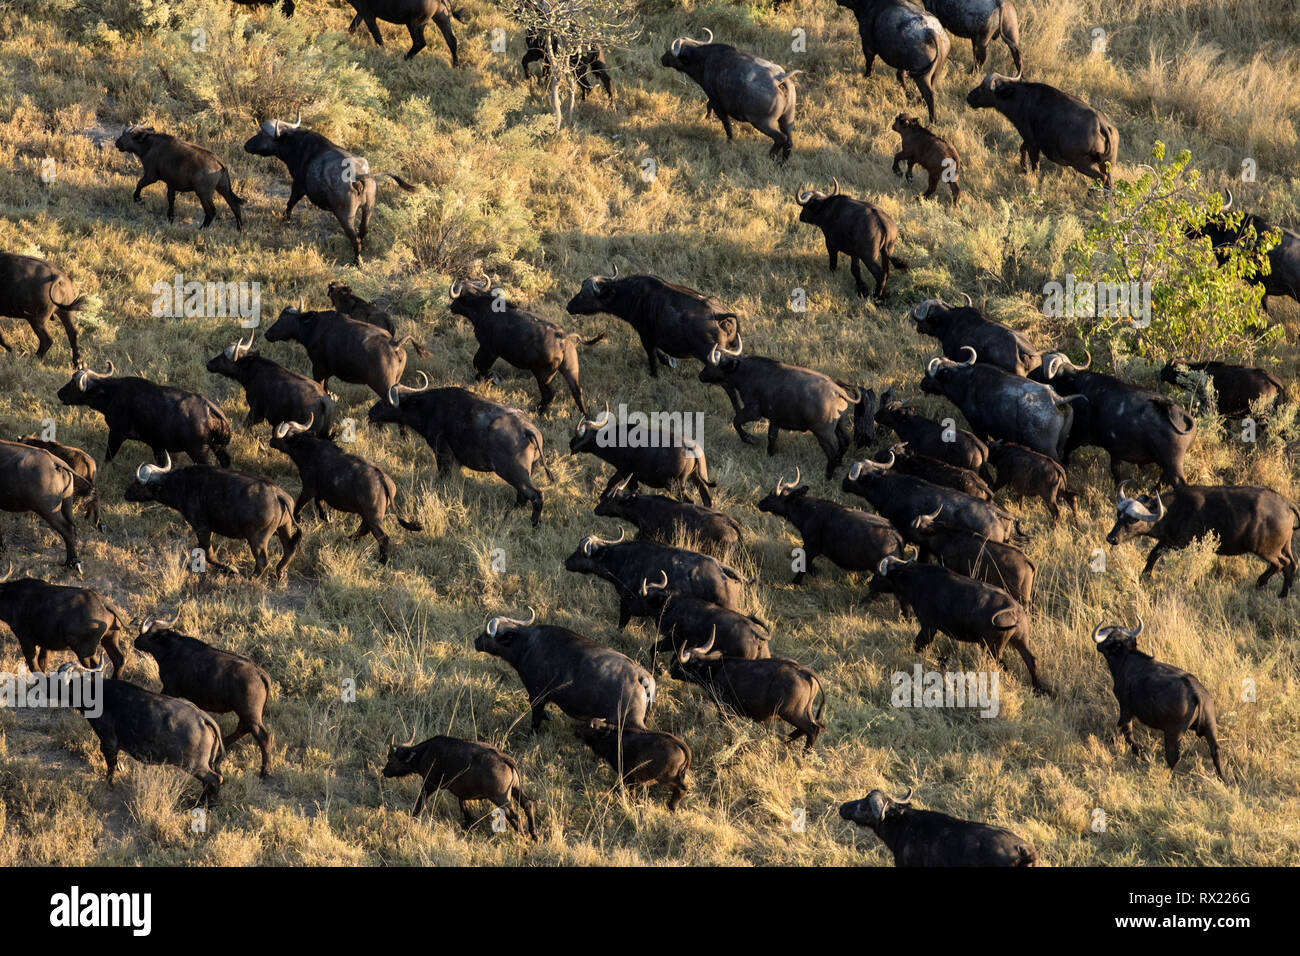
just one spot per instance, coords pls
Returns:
(574, 27)
(1147, 239)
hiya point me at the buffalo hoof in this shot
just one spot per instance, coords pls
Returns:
(138, 200)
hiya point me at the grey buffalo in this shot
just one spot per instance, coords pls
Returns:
(999, 404)
(583, 678)
(329, 176)
(83, 466)
(1051, 123)
(788, 396)
(981, 22)
(907, 38)
(739, 85)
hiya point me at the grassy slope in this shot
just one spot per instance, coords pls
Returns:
(542, 212)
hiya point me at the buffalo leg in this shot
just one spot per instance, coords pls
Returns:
(742, 418)
(61, 522)
(624, 613)
(108, 747)
(373, 27)
(1213, 743)
(834, 452)
(296, 192)
(924, 638)
(146, 179)
(1022, 647)
(1288, 570)
(234, 202)
(980, 49)
(726, 123)
(705, 497)
(113, 648)
(171, 203)
(1173, 748)
(42, 337)
(575, 389)
(933, 185)
(345, 220)
(442, 21)
(1153, 556)
(1273, 568)
(539, 714)
(322, 511)
(547, 394)
(772, 432)
(809, 556)
(209, 210)
(833, 254)
(205, 542)
(420, 802)
(418, 42)
(1125, 724)
(288, 546)
(260, 556)
(303, 498)
(483, 361)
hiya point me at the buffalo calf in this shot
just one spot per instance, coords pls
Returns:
(641, 757)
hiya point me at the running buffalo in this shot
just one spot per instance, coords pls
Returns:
(967, 610)
(1160, 695)
(959, 326)
(981, 22)
(664, 519)
(672, 321)
(274, 393)
(83, 466)
(229, 503)
(1054, 124)
(329, 176)
(583, 678)
(524, 340)
(218, 681)
(1245, 519)
(32, 479)
(655, 453)
(857, 228)
(852, 539)
(640, 757)
(184, 168)
(166, 419)
(35, 291)
(465, 430)
(906, 38)
(415, 15)
(51, 617)
(929, 838)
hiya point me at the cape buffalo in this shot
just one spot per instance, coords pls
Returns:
(1163, 697)
(184, 168)
(274, 393)
(346, 301)
(414, 15)
(32, 479)
(672, 321)
(83, 466)
(740, 86)
(856, 228)
(957, 327)
(1246, 519)
(583, 678)
(465, 430)
(51, 617)
(1236, 387)
(328, 175)
(906, 38)
(661, 455)
(469, 770)
(640, 757)
(1283, 277)
(35, 291)
(930, 838)
(1054, 124)
(920, 147)
(664, 519)
(164, 418)
(981, 22)
(588, 64)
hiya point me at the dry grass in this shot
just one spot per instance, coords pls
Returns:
(542, 212)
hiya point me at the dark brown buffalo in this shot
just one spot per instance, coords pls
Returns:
(51, 617)
(920, 147)
(1236, 387)
(352, 305)
(857, 228)
(1160, 695)
(470, 771)
(930, 838)
(32, 479)
(415, 15)
(218, 681)
(664, 519)
(184, 168)
(1030, 475)
(640, 757)
(1246, 519)
(83, 465)
(959, 549)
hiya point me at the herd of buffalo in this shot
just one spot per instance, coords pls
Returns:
(935, 537)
